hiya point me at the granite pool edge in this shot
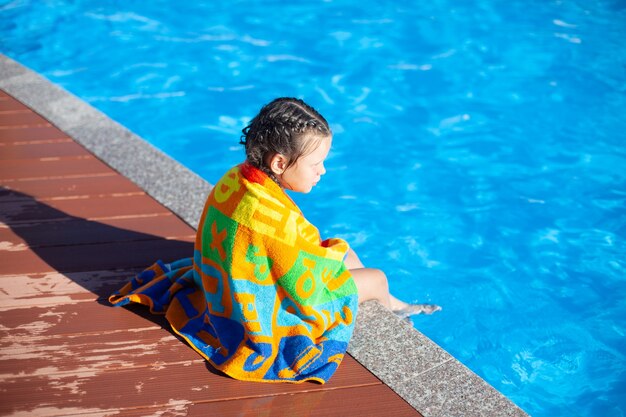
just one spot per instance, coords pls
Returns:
(421, 372)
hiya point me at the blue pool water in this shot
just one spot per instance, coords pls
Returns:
(479, 153)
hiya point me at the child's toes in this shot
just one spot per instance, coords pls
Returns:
(430, 308)
(413, 309)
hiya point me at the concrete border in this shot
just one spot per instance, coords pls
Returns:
(416, 368)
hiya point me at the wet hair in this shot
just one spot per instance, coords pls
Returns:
(281, 127)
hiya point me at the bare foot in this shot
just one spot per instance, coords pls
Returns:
(405, 310)
(413, 309)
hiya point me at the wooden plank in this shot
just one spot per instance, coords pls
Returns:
(22, 357)
(54, 289)
(130, 387)
(375, 400)
(48, 300)
(94, 207)
(372, 400)
(78, 317)
(11, 119)
(116, 255)
(76, 231)
(66, 187)
(10, 104)
(52, 168)
(40, 150)
(27, 134)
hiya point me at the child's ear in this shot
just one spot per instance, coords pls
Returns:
(278, 163)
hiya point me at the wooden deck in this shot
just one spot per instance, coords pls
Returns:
(72, 230)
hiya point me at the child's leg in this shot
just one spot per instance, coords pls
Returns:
(372, 285)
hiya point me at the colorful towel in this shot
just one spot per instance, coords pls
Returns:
(263, 299)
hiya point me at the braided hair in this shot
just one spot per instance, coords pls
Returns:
(280, 128)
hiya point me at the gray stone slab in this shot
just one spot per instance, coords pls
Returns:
(453, 390)
(407, 353)
(10, 68)
(420, 371)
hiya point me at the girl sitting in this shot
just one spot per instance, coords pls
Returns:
(264, 298)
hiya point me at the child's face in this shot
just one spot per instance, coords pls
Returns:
(308, 169)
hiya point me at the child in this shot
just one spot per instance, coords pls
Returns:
(292, 153)
(264, 298)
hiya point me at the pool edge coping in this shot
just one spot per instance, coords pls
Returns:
(416, 368)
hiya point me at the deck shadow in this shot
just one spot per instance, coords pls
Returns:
(58, 239)
(70, 244)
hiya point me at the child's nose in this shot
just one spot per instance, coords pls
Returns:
(322, 169)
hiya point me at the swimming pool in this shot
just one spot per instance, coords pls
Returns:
(476, 158)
